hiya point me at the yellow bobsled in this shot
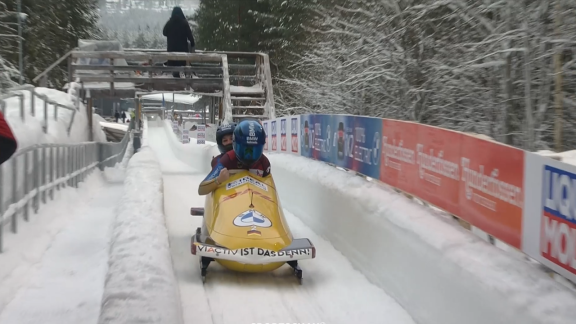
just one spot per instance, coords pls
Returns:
(244, 228)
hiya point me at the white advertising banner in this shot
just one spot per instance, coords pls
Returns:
(201, 134)
(549, 220)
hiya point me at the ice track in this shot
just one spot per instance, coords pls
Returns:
(332, 291)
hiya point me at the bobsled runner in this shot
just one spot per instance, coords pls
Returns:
(244, 228)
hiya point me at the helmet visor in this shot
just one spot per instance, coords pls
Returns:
(248, 154)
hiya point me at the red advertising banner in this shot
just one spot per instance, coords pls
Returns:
(398, 158)
(492, 188)
(438, 159)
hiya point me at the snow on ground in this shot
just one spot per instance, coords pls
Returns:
(437, 270)
(257, 88)
(566, 157)
(29, 131)
(333, 292)
(119, 126)
(173, 97)
(140, 284)
(53, 269)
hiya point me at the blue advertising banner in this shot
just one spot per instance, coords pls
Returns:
(306, 138)
(322, 136)
(343, 141)
(347, 141)
(367, 146)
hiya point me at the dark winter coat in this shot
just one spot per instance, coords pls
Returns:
(178, 32)
(8, 143)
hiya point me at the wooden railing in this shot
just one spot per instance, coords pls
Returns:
(240, 77)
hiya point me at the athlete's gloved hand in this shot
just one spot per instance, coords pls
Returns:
(223, 176)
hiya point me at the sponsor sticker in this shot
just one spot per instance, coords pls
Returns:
(558, 230)
(252, 219)
(253, 251)
(245, 180)
(252, 138)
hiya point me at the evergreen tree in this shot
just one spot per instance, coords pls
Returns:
(53, 28)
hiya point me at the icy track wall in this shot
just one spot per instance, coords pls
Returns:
(520, 198)
(439, 272)
(140, 284)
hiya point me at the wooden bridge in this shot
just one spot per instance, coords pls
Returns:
(240, 82)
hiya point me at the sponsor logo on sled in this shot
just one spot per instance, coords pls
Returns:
(244, 180)
(558, 231)
(253, 251)
(254, 231)
(253, 219)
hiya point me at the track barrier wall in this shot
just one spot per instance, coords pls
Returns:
(523, 199)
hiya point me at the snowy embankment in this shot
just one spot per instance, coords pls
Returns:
(140, 284)
(197, 156)
(30, 130)
(438, 271)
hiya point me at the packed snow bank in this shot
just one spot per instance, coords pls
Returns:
(26, 249)
(30, 131)
(196, 155)
(568, 157)
(65, 283)
(123, 127)
(140, 284)
(436, 270)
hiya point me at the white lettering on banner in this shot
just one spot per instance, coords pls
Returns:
(490, 185)
(558, 232)
(319, 143)
(555, 185)
(437, 165)
(245, 180)
(554, 234)
(364, 154)
(397, 152)
(252, 139)
(253, 251)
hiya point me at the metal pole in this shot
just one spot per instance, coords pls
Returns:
(20, 50)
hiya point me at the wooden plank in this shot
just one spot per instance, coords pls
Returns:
(248, 116)
(148, 56)
(247, 107)
(215, 69)
(248, 98)
(141, 80)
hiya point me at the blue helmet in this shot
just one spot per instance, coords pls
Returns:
(221, 132)
(249, 140)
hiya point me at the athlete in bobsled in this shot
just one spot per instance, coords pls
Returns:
(243, 225)
(248, 146)
(224, 135)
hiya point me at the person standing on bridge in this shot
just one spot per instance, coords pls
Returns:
(178, 33)
(8, 143)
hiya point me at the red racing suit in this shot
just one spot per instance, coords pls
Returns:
(8, 143)
(229, 161)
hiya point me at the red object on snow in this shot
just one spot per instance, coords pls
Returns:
(8, 143)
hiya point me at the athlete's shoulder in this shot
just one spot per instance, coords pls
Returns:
(228, 158)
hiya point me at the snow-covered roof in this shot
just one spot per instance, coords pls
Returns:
(178, 98)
